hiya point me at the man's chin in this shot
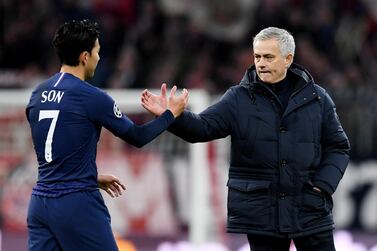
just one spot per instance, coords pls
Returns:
(266, 80)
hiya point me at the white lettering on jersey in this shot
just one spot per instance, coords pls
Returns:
(52, 96)
(117, 111)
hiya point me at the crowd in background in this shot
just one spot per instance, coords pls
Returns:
(205, 44)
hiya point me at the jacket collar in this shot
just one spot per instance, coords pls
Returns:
(299, 75)
(303, 76)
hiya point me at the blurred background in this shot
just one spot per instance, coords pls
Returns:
(176, 193)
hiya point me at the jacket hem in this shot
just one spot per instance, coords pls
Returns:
(279, 234)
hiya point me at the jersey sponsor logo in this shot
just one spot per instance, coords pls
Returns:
(117, 111)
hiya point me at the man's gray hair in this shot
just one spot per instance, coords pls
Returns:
(285, 39)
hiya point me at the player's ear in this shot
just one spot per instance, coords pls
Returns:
(83, 58)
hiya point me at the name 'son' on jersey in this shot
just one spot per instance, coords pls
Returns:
(52, 96)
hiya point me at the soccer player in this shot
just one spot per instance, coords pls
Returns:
(66, 114)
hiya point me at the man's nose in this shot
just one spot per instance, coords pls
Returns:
(261, 63)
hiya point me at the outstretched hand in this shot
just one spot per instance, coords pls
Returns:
(157, 104)
(110, 184)
(177, 104)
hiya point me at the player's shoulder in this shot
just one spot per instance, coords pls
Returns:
(93, 96)
(93, 91)
(42, 86)
(87, 87)
(46, 83)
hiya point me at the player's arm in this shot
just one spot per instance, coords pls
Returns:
(110, 184)
(108, 115)
(139, 135)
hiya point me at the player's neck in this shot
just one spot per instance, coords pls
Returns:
(76, 71)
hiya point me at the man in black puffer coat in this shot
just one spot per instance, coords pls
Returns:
(288, 149)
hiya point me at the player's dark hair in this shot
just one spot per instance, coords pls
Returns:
(74, 37)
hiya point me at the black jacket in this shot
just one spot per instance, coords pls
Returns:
(276, 156)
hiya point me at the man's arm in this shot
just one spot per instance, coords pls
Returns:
(213, 123)
(335, 150)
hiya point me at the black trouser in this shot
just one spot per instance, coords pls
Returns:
(323, 241)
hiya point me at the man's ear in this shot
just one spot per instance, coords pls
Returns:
(84, 57)
(288, 60)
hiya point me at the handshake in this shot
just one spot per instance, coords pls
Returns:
(158, 104)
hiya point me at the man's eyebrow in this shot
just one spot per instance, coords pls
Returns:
(263, 55)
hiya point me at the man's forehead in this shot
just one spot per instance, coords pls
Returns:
(266, 46)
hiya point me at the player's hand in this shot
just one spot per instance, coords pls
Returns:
(155, 104)
(110, 184)
(177, 104)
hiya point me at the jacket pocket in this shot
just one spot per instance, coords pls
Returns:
(249, 203)
(248, 186)
(315, 207)
(313, 200)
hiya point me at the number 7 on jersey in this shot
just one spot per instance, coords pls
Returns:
(49, 114)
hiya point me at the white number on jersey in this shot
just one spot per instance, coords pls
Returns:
(49, 114)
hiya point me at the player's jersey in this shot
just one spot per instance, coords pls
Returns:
(66, 115)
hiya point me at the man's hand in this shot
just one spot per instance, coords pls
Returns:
(317, 189)
(177, 104)
(153, 103)
(110, 184)
(157, 104)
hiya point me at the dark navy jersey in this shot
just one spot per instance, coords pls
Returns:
(66, 115)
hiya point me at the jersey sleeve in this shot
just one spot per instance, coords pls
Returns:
(103, 110)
